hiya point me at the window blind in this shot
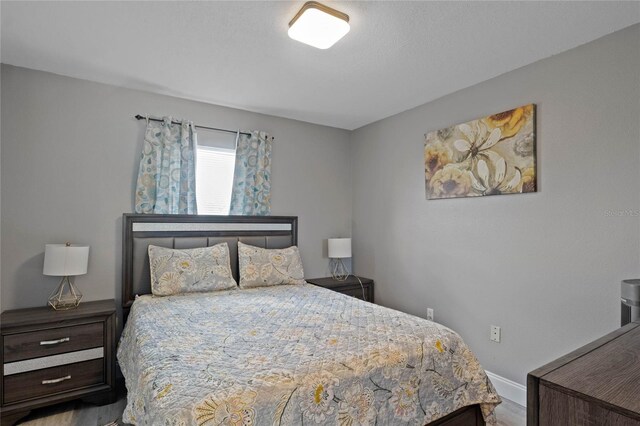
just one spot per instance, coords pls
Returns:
(214, 179)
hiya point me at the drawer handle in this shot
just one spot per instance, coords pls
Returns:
(54, 342)
(52, 381)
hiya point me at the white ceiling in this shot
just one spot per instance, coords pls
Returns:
(398, 54)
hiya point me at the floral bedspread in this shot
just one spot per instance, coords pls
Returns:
(289, 355)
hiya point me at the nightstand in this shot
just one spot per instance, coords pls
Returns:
(54, 356)
(350, 286)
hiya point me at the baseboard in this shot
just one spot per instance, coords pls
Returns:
(509, 389)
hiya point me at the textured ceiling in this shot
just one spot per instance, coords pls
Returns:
(398, 54)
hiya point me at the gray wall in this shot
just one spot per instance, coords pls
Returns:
(546, 267)
(70, 152)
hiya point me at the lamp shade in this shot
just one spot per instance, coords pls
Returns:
(339, 247)
(65, 260)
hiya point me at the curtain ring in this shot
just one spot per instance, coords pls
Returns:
(237, 138)
(146, 116)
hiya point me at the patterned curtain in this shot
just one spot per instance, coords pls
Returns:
(251, 193)
(167, 178)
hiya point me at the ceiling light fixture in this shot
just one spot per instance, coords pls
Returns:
(318, 25)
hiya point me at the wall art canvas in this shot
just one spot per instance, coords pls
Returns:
(490, 156)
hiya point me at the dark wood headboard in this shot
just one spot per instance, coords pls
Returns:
(191, 231)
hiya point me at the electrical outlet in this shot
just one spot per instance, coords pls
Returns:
(494, 335)
(430, 314)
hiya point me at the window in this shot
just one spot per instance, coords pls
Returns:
(214, 175)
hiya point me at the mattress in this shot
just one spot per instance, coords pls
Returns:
(292, 354)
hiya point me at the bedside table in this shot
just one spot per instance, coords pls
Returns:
(54, 356)
(350, 286)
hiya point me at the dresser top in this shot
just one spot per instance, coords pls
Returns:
(46, 314)
(607, 370)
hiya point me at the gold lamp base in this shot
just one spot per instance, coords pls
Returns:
(66, 296)
(338, 270)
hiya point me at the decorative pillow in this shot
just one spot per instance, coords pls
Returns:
(264, 267)
(191, 270)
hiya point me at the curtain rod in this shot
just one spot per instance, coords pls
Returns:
(142, 117)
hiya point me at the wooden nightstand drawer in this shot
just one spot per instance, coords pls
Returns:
(72, 351)
(49, 381)
(352, 286)
(37, 344)
(354, 292)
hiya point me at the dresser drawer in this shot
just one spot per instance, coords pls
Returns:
(53, 341)
(19, 387)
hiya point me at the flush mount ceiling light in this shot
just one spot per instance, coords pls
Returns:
(318, 25)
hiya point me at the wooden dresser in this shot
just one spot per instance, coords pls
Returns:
(54, 356)
(598, 384)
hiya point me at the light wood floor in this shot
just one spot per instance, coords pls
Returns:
(511, 414)
(79, 414)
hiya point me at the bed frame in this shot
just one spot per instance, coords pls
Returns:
(191, 231)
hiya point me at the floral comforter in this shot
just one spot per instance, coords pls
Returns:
(292, 354)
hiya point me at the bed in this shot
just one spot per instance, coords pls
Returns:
(281, 355)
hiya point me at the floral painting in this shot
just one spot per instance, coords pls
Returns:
(489, 156)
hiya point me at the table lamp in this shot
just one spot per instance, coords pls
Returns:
(65, 260)
(339, 248)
